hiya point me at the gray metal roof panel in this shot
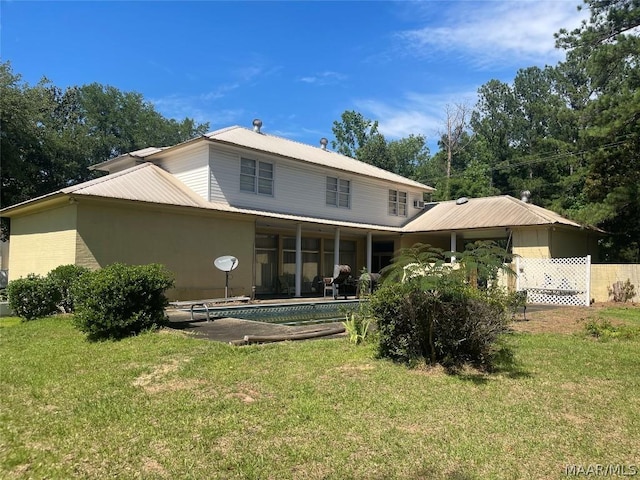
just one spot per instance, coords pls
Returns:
(486, 212)
(244, 137)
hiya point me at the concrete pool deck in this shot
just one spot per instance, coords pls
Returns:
(234, 330)
(230, 330)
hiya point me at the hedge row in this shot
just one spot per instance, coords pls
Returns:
(113, 302)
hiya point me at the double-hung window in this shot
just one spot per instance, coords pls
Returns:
(338, 192)
(256, 177)
(397, 203)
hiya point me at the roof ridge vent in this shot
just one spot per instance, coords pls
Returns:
(525, 196)
(257, 125)
(462, 201)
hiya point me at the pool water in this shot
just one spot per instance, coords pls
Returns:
(288, 313)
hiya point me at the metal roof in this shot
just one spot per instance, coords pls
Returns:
(246, 138)
(142, 183)
(486, 212)
(149, 183)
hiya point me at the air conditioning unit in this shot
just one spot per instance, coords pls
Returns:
(418, 204)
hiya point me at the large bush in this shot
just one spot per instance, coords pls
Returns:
(426, 310)
(63, 279)
(33, 297)
(121, 300)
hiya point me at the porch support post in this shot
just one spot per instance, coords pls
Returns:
(336, 256)
(369, 252)
(453, 246)
(299, 260)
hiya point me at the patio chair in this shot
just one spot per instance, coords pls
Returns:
(341, 274)
(284, 286)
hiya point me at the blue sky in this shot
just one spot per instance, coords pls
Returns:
(296, 65)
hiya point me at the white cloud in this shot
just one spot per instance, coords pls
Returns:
(415, 113)
(498, 32)
(324, 78)
(198, 107)
(204, 107)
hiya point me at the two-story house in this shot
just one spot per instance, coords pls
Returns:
(287, 211)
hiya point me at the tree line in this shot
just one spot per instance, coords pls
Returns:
(50, 136)
(568, 133)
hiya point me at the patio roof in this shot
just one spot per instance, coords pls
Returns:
(487, 212)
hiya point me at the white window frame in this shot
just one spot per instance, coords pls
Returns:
(338, 192)
(257, 176)
(398, 203)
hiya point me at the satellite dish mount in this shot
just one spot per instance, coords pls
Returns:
(226, 263)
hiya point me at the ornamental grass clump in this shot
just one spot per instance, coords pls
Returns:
(122, 300)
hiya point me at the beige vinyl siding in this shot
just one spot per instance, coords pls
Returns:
(42, 241)
(224, 172)
(532, 242)
(191, 167)
(185, 241)
(604, 276)
(573, 243)
(300, 189)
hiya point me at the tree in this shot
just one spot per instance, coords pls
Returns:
(455, 137)
(123, 122)
(408, 155)
(352, 133)
(28, 116)
(50, 136)
(492, 120)
(358, 137)
(606, 50)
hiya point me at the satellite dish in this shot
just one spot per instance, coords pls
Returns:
(226, 263)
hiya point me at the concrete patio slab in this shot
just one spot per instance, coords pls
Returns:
(229, 330)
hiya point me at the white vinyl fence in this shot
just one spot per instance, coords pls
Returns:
(555, 281)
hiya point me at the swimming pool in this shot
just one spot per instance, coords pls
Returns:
(294, 313)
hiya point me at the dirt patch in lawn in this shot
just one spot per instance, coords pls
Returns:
(553, 319)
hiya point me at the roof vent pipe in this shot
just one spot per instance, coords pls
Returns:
(525, 196)
(323, 143)
(257, 125)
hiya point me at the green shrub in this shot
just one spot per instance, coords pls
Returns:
(451, 326)
(33, 297)
(120, 300)
(426, 310)
(603, 329)
(63, 278)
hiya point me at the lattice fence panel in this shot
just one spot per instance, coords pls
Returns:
(555, 281)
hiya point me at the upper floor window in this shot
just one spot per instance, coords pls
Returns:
(256, 177)
(397, 203)
(338, 192)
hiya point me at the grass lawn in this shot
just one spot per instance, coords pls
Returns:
(167, 405)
